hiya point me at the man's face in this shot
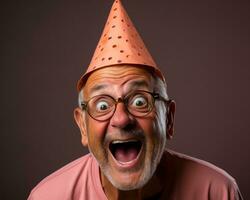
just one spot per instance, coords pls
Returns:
(127, 148)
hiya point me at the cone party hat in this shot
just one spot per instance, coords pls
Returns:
(120, 43)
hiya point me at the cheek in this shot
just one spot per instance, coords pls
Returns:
(95, 131)
(148, 126)
(150, 129)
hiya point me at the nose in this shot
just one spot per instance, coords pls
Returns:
(121, 118)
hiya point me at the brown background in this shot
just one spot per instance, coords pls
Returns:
(202, 46)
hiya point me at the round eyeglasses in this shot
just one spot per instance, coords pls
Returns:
(139, 103)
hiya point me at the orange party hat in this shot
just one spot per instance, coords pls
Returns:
(120, 43)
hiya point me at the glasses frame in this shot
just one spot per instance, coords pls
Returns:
(156, 96)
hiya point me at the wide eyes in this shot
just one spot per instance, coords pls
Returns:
(102, 106)
(105, 103)
(139, 102)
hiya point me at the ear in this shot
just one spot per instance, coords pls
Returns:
(170, 119)
(80, 120)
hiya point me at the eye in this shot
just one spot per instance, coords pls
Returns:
(102, 106)
(139, 102)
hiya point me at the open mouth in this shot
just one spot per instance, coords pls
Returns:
(125, 151)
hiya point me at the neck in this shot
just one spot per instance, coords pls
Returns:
(151, 189)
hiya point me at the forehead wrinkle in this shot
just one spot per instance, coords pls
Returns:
(134, 84)
(98, 87)
(117, 77)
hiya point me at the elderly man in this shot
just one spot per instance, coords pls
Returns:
(125, 118)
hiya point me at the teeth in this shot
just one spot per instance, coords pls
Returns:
(120, 141)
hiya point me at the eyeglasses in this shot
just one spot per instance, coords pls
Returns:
(139, 103)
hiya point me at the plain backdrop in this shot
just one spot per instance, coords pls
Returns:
(202, 46)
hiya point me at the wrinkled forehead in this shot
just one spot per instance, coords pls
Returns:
(122, 76)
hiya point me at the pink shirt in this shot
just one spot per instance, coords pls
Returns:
(77, 180)
(183, 178)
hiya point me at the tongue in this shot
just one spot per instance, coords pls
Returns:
(125, 155)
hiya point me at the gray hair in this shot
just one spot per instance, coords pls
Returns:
(80, 98)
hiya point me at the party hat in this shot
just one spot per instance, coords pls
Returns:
(120, 43)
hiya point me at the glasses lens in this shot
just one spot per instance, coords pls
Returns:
(101, 107)
(140, 103)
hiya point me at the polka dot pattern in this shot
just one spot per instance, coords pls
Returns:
(120, 43)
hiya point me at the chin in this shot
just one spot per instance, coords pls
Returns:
(128, 182)
(131, 180)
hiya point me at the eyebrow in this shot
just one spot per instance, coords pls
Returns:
(132, 84)
(138, 83)
(98, 87)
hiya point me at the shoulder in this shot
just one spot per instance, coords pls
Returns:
(65, 180)
(199, 176)
(198, 167)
